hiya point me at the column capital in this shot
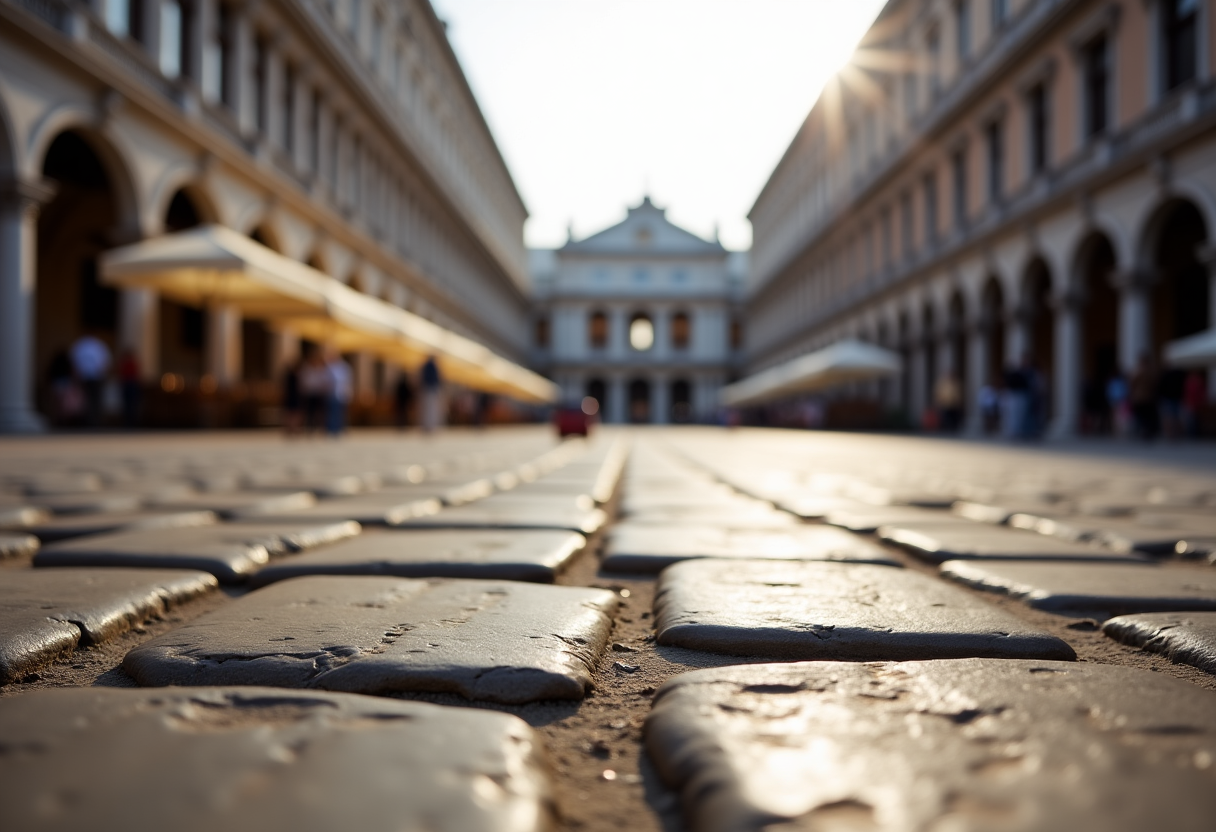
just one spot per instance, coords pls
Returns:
(27, 196)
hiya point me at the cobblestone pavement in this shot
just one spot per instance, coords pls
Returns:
(668, 629)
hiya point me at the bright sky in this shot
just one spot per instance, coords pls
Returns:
(594, 102)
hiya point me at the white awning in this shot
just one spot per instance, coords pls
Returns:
(843, 362)
(1197, 350)
(213, 265)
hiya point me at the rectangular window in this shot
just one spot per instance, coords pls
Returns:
(905, 224)
(1180, 31)
(885, 224)
(930, 190)
(261, 106)
(958, 165)
(1000, 13)
(962, 30)
(1096, 72)
(288, 110)
(933, 46)
(314, 134)
(229, 77)
(910, 96)
(994, 135)
(118, 17)
(170, 58)
(1037, 121)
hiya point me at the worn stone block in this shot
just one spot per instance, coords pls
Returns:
(1183, 637)
(492, 554)
(507, 512)
(16, 545)
(256, 759)
(44, 613)
(970, 744)
(941, 541)
(646, 548)
(80, 525)
(496, 641)
(230, 551)
(858, 612)
(1111, 588)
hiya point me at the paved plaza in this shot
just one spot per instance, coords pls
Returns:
(652, 629)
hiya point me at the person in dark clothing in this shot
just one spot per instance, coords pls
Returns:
(432, 395)
(1142, 392)
(132, 388)
(1170, 385)
(403, 398)
(293, 402)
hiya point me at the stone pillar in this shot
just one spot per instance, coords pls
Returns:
(660, 400)
(662, 333)
(224, 345)
(618, 406)
(365, 376)
(916, 381)
(139, 329)
(1017, 336)
(198, 50)
(19, 204)
(977, 372)
(244, 95)
(1134, 325)
(285, 351)
(618, 334)
(1066, 367)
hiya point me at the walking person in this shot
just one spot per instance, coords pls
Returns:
(293, 403)
(91, 365)
(1142, 392)
(314, 390)
(341, 391)
(432, 396)
(403, 399)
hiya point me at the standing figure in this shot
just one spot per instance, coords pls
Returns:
(1142, 391)
(432, 395)
(293, 403)
(314, 387)
(132, 388)
(91, 364)
(341, 391)
(403, 398)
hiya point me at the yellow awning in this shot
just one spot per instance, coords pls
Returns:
(213, 265)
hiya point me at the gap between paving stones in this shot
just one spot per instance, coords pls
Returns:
(604, 732)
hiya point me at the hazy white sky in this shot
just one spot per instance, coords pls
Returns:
(594, 102)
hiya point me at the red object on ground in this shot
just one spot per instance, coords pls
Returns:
(571, 421)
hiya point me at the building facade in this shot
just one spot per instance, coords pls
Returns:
(993, 181)
(641, 317)
(339, 133)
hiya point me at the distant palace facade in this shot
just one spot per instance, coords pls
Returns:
(339, 138)
(642, 317)
(999, 180)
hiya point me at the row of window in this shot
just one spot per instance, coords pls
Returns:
(641, 332)
(640, 275)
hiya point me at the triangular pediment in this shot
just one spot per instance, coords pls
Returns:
(644, 231)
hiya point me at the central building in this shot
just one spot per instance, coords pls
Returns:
(640, 317)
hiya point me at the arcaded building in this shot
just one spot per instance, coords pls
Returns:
(340, 136)
(999, 180)
(642, 317)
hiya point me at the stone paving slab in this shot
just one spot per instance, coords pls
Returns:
(1182, 637)
(375, 509)
(44, 613)
(20, 516)
(230, 552)
(491, 554)
(487, 640)
(939, 541)
(506, 512)
(234, 504)
(998, 514)
(80, 525)
(813, 506)
(749, 517)
(255, 759)
(1091, 587)
(14, 545)
(856, 612)
(636, 547)
(971, 744)
(863, 518)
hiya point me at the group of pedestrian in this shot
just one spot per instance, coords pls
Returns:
(1158, 402)
(317, 392)
(82, 380)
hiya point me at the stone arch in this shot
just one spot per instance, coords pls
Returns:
(1092, 273)
(115, 159)
(641, 333)
(598, 335)
(172, 187)
(1035, 308)
(266, 234)
(993, 312)
(1171, 258)
(186, 208)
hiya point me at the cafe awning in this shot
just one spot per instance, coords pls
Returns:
(1197, 350)
(216, 266)
(842, 362)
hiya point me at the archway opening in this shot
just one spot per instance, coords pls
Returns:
(70, 301)
(956, 333)
(992, 319)
(1040, 328)
(929, 348)
(639, 401)
(1180, 297)
(681, 401)
(183, 329)
(1099, 332)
